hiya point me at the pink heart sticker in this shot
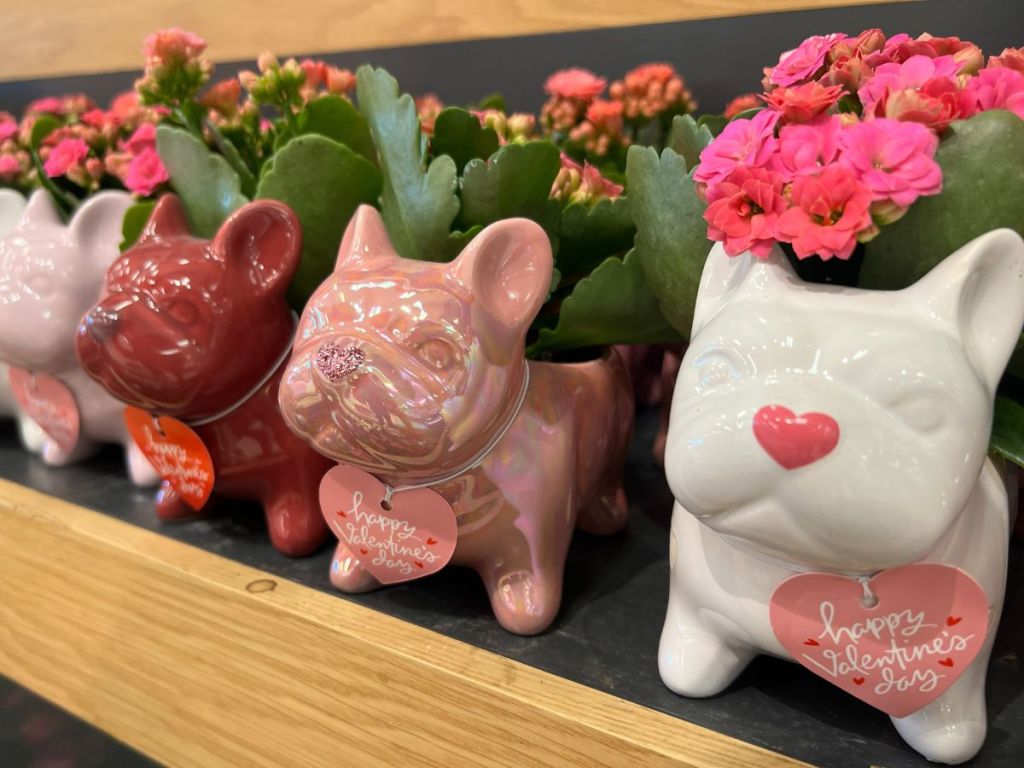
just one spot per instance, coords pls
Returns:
(49, 404)
(928, 624)
(413, 538)
(795, 441)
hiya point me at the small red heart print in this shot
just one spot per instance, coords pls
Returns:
(341, 513)
(364, 551)
(947, 662)
(418, 564)
(952, 621)
(431, 541)
(858, 681)
(811, 641)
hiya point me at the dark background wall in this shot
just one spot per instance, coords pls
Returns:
(719, 57)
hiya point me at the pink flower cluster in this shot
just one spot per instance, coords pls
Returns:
(847, 139)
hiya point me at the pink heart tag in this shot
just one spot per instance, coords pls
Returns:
(49, 404)
(794, 441)
(927, 626)
(414, 537)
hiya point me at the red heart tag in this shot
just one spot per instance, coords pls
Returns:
(50, 404)
(898, 655)
(414, 538)
(178, 454)
(794, 441)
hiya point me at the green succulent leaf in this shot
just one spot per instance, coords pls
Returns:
(671, 236)
(590, 234)
(342, 180)
(613, 305)
(982, 162)
(43, 127)
(234, 158)
(135, 220)
(209, 189)
(458, 134)
(688, 139)
(714, 123)
(493, 101)
(1008, 430)
(337, 118)
(515, 181)
(418, 203)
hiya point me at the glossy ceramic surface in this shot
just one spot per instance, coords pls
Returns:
(842, 431)
(411, 370)
(50, 274)
(188, 328)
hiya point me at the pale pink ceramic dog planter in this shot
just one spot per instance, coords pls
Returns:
(438, 376)
(50, 274)
(827, 442)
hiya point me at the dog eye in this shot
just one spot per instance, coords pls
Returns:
(436, 353)
(41, 285)
(715, 367)
(923, 411)
(182, 311)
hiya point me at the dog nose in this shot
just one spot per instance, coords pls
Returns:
(336, 362)
(101, 323)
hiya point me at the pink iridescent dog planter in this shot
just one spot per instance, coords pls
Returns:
(453, 447)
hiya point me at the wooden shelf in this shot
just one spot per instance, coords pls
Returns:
(194, 659)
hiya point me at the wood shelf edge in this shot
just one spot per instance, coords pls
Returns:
(195, 659)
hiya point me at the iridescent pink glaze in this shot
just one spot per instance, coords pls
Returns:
(411, 370)
(50, 274)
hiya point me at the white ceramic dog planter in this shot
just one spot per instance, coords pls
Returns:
(12, 206)
(50, 274)
(825, 444)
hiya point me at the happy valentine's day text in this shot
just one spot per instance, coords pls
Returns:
(397, 550)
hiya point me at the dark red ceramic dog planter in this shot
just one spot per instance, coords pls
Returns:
(199, 330)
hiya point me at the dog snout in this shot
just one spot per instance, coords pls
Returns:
(101, 323)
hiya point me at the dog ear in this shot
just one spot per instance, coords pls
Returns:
(261, 243)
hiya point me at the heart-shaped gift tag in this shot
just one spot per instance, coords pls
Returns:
(792, 440)
(178, 454)
(925, 626)
(411, 535)
(49, 404)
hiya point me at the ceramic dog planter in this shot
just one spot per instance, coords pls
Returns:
(199, 331)
(412, 376)
(50, 274)
(834, 501)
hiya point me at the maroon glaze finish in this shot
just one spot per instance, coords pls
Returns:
(188, 328)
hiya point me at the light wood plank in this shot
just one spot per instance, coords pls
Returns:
(198, 660)
(71, 37)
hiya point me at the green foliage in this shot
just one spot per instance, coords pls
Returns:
(458, 134)
(208, 187)
(1008, 430)
(135, 220)
(590, 234)
(688, 139)
(983, 189)
(336, 118)
(613, 305)
(418, 202)
(342, 181)
(671, 237)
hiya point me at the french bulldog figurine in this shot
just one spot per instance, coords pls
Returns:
(834, 437)
(414, 372)
(12, 206)
(198, 330)
(50, 274)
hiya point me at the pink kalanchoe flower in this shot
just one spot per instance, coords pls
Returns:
(935, 104)
(868, 42)
(96, 118)
(576, 84)
(743, 142)
(222, 97)
(170, 46)
(802, 103)
(8, 128)
(806, 149)
(10, 168)
(145, 173)
(912, 73)
(967, 55)
(829, 210)
(744, 209)
(64, 156)
(994, 88)
(1013, 58)
(894, 160)
(48, 104)
(144, 138)
(741, 104)
(804, 61)
(339, 81)
(428, 107)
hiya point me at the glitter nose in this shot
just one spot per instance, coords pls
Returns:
(336, 363)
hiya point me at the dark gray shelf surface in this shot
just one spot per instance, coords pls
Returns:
(606, 635)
